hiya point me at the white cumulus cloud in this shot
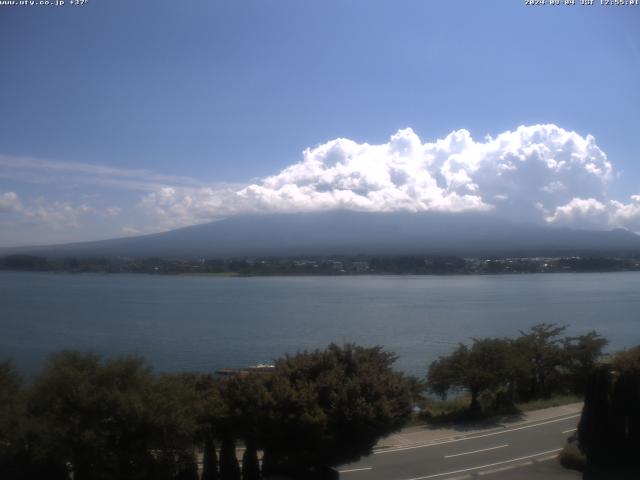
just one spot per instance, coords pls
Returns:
(56, 214)
(626, 215)
(9, 202)
(539, 173)
(580, 212)
(592, 213)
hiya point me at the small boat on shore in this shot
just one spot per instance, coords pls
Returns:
(258, 368)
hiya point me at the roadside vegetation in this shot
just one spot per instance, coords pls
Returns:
(542, 368)
(538, 369)
(607, 442)
(553, 401)
(116, 419)
(91, 418)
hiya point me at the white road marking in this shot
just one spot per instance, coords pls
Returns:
(503, 469)
(546, 459)
(355, 470)
(570, 430)
(485, 466)
(496, 470)
(473, 437)
(476, 451)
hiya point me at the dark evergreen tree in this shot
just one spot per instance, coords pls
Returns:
(250, 464)
(187, 466)
(209, 460)
(163, 466)
(11, 422)
(633, 424)
(593, 429)
(627, 398)
(229, 467)
(620, 409)
(269, 464)
(608, 432)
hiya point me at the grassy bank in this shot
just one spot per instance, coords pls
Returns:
(454, 410)
(554, 401)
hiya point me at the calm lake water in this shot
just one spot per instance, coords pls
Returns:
(204, 323)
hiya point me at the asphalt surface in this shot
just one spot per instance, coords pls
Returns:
(522, 451)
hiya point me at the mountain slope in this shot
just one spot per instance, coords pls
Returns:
(343, 232)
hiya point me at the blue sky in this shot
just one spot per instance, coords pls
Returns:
(123, 117)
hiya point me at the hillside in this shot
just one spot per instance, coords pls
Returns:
(343, 232)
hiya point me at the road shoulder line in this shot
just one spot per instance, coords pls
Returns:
(472, 436)
(476, 451)
(503, 462)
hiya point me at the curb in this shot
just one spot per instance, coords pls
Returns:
(443, 439)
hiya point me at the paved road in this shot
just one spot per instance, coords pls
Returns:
(496, 454)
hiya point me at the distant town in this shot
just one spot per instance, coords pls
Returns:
(328, 265)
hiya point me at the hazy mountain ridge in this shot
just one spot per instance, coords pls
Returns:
(349, 233)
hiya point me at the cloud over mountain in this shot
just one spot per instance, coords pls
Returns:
(541, 173)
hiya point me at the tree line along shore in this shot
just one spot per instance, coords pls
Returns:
(327, 265)
(90, 418)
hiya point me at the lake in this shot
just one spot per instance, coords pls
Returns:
(203, 323)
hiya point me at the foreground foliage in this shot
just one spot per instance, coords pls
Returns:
(502, 371)
(115, 419)
(108, 419)
(609, 429)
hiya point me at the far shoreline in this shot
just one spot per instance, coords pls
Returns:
(306, 275)
(337, 265)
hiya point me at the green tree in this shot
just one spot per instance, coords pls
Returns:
(67, 406)
(12, 422)
(444, 373)
(489, 365)
(113, 419)
(331, 406)
(627, 360)
(545, 357)
(581, 356)
(173, 405)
